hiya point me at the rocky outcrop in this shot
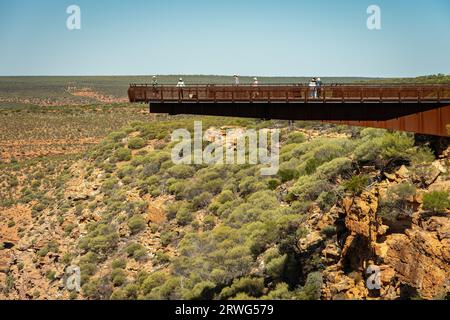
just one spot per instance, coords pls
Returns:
(413, 263)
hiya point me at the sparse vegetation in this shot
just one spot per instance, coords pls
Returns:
(141, 227)
(436, 201)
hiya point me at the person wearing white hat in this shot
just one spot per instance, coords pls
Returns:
(154, 81)
(255, 82)
(312, 88)
(180, 86)
(319, 85)
(180, 83)
(236, 80)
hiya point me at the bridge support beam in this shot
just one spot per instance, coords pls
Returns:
(425, 118)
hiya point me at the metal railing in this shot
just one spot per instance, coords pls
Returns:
(296, 93)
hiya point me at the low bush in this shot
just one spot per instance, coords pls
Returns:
(123, 154)
(136, 223)
(136, 143)
(357, 184)
(436, 201)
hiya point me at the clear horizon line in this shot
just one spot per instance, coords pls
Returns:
(214, 75)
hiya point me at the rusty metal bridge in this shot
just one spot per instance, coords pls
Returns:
(417, 108)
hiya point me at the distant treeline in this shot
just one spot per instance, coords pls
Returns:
(53, 87)
(430, 79)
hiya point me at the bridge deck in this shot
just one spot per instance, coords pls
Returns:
(289, 93)
(415, 104)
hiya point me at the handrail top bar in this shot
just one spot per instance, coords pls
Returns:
(427, 85)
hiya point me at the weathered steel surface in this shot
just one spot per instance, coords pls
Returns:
(330, 111)
(289, 93)
(421, 109)
(432, 122)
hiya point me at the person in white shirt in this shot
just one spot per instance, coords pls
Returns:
(255, 82)
(180, 86)
(236, 80)
(312, 88)
(318, 89)
(180, 83)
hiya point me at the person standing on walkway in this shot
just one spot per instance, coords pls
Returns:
(236, 80)
(180, 86)
(319, 88)
(180, 83)
(154, 81)
(313, 88)
(255, 84)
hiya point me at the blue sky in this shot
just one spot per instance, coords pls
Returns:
(249, 37)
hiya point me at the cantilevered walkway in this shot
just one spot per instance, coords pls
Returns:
(417, 108)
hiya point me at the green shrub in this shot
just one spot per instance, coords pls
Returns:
(184, 215)
(396, 203)
(50, 275)
(436, 201)
(119, 264)
(357, 184)
(167, 237)
(295, 137)
(312, 288)
(109, 184)
(209, 222)
(273, 183)
(281, 292)
(136, 223)
(201, 291)
(161, 257)
(287, 174)
(331, 169)
(311, 165)
(98, 289)
(88, 266)
(123, 154)
(225, 196)
(125, 171)
(118, 277)
(136, 143)
(118, 294)
(403, 190)
(380, 146)
(153, 281)
(101, 238)
(252, 286)
(275, 264)
(202, 200)
(49, 247)
(181, 171)
(327, 199)
(308, 188)
(136, 250)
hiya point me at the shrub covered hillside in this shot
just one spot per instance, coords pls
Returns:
(142, 227)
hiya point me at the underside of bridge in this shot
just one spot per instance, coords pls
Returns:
(431, 119)
(433, 122)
